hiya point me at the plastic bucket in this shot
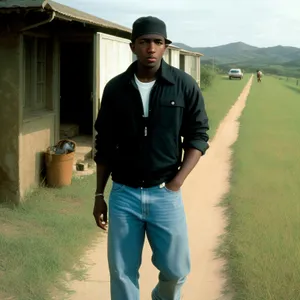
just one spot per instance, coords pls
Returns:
(59, 168)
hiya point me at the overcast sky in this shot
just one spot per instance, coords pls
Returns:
(201, 23)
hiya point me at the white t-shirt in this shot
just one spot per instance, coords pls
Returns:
(145, 90)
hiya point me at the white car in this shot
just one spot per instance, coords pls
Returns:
(235, 73)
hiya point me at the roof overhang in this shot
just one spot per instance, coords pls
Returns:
(15, 4)
(191, 53)
(61, 11)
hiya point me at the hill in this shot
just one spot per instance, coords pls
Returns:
(276, 60)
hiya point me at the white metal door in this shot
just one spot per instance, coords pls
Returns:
(112, 56)
(175, 58)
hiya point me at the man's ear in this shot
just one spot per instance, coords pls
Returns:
(166, 47)
(132, 47)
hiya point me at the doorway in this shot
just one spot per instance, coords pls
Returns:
(76, 86)
(76, 102)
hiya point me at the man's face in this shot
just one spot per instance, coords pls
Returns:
(149, 49)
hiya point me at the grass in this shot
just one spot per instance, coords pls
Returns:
(220, 97)
(262, 245)
(44, 238)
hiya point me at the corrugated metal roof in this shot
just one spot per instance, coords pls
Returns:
(22, 3)
(80, 16)
(173, 47)
(63, 11)
(73, 14)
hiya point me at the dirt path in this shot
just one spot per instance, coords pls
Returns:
(202, 192)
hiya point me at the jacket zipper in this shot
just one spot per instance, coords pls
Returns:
(143, 115)
(150, 107)
(142, 106)
(151, 98)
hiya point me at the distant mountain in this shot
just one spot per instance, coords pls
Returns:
(184, 46)
(227, 50)
(279, 59)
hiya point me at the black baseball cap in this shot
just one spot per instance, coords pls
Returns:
(149, 25)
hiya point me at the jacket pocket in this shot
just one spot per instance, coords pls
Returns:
(171, 113)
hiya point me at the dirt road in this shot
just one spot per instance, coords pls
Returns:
(202, 192)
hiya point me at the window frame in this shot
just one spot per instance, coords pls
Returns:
(32, 102)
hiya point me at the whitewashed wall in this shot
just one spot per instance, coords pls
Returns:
(198, 70)
(175, 58)
(115, 56)
(112, 56)
(192, 66)
(166, 56)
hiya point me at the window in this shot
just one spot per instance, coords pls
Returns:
(28, 76)
(41, 73)
(37, 78)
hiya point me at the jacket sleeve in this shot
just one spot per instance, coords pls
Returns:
(104, 141)
(195, 125)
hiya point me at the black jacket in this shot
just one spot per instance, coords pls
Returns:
(144, 152)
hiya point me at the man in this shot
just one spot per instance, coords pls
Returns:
(144, 113)
(258, 75)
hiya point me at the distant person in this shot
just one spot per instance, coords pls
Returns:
(258, 75)
(144, 113)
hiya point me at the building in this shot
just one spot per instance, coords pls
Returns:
(172, 56)
(187, 61)
(190, 63)
(57, 62)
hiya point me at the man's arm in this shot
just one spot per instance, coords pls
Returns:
(104, 147)
(100, 206)
(194, 131)
(103, 173)
(190, 160)
(104, 140)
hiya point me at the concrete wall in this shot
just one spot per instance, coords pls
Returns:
(22, 138)
(39, 129)
(37, 135)
(9, 117)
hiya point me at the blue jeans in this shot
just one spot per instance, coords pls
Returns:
(159, 214)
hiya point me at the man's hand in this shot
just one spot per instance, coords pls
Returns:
(100, 212)
(191, 158)
(174, 185)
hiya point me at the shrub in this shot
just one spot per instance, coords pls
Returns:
(207, 76)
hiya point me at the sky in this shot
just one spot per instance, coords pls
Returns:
(198, 23)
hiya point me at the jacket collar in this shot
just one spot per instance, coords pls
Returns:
(164, 72)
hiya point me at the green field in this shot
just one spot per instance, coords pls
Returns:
(220, 97)
(263, 241)
(43, 238)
